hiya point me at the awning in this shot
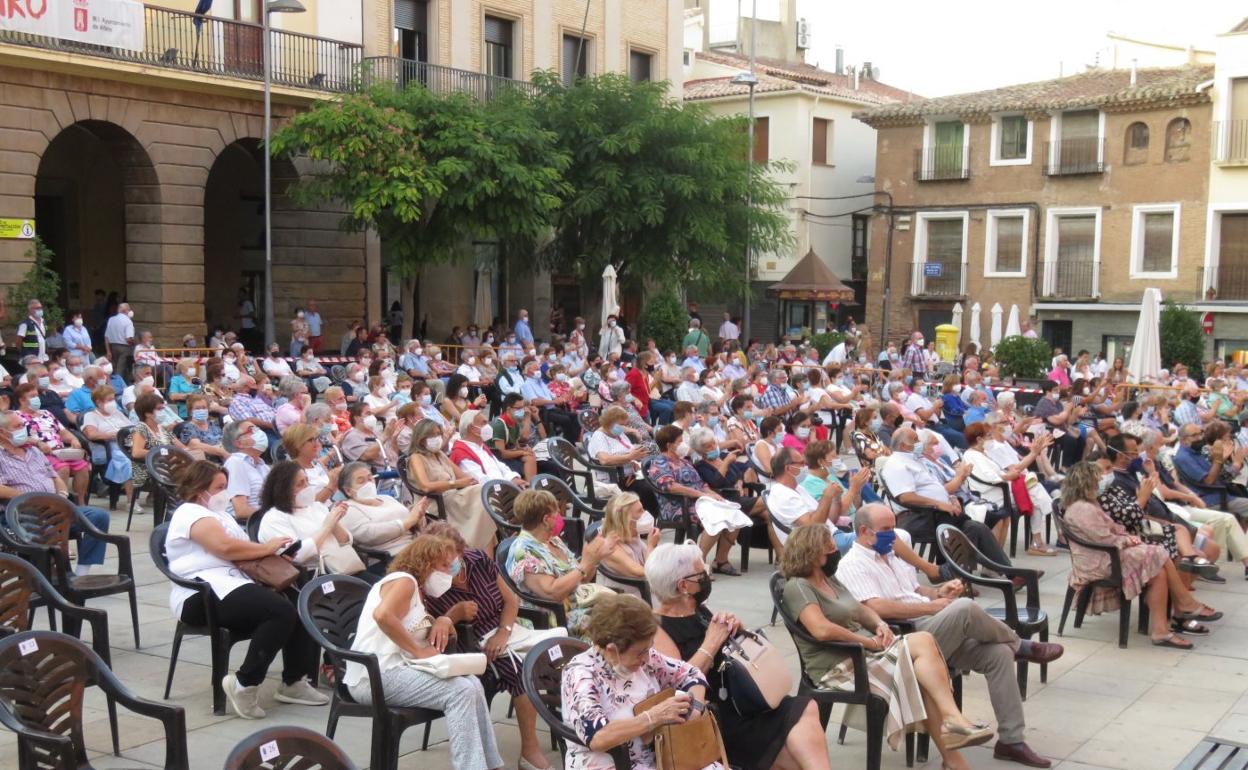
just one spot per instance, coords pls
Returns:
(811, 280)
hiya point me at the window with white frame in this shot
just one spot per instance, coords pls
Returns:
(1005, 243)
(940, 253)
(1155, 241)
(1011, 140)
(1072, 253)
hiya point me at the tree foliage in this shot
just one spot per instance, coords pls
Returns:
(664, 318)
(826, 341)
(43, 283)
(1182, 338)
(1019, 356)
(657, 189)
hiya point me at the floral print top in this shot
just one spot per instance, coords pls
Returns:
(530, 556)
(593, 695)
(42, 425)
(665, 472)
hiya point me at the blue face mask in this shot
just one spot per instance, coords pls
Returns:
(456, 566)
(917, 451)
(199, 415)
(517, 414)
(713, 454)
(35, 404)
(884, 542)
(1137, 465)
(713, 420)
(327, 429)
(617, 430)
(748, 414)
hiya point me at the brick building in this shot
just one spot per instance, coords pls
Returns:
(1066, 197)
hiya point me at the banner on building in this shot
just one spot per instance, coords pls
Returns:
(111, 23)
(17, 229)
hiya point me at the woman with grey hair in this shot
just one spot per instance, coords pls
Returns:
(294, 394)
(621, 397)
(790, 736)
(373, 520)
(432, 473)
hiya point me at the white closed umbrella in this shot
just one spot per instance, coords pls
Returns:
(957, 321)
(483, 312)
(974, 333)
(994, 335)
(1012, 329)
(610, 302)
(1145, 362)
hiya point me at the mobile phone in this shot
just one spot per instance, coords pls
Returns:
(290, 549)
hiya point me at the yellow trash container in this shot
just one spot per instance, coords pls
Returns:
(947, 342)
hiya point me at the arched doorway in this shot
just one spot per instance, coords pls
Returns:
(93, 180)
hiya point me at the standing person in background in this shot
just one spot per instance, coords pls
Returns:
(576, 340)
(728, 330)
(298, 333)
(697, 338)
(915, 358)
(119, 334)
(524, 335)
(312, 319)
(245, 312)
(31, 333)
(611, 338)
(77, 338)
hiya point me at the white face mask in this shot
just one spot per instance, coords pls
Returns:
(305, 498)
(358, 377)
(682, 449)
(437, 584)
(645, 525)
(366, 491)
(370, 422)
(463, 393)
(434, 444)
(218, 503)
(487, 433)
(108, 408)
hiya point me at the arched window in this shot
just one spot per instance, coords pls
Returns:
(1178, 140)
(1135, 148)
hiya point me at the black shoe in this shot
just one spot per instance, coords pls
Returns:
(1213, 578)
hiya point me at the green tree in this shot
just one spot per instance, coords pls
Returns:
(428, 172)
(657, 189)
(1182, 338)
(664, 318)
(43, 283)
(1019, 356)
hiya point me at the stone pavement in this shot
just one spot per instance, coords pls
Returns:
(1141, 708)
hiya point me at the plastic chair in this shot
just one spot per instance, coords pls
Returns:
(553, 607)
(639, 583)
(1114, 581)
(409, 484)
(164, 463)
(43, 678)
(329, 608)
(684, 527)
(288, 748)
(498, 495)
(572, 505)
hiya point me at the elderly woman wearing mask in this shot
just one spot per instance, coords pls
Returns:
(303, 446)
(184, 383)
(626, 519)
(378, 400)
(640, 430)
(363, 441)
(676, 477)
(295, 392)
(433, 473)
(790, 736)
(993, 462)
(377, 521)
(612, 444)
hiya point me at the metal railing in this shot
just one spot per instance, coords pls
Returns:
(1069, 279)
(1230, 141)
(1225, 282)
(437, 78)
(942, 163)
(1080, 155)
(936, 279)
(183, 40)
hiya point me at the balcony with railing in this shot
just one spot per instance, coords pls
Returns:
(937, 279)
(1066, 279)
(1230, 142)
(207, 45)
(941, 163)
(1224, 282)
(437, 78)
(1072, 157)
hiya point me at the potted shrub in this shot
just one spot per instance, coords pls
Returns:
(1024, 359)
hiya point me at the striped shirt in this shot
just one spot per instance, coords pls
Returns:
(868, 576)
(30, 472)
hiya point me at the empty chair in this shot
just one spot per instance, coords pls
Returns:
(288, 748)
(497, 496)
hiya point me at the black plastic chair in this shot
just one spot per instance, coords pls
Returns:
(405, 476)
(825, 699)
(573, 507)
(42, 522)
(683, 527)
(498, 495)
(1007, 496)
(164, 463)
(568, 460)
(331, 616)
(220, 638)
(288, 748)
(97, 469)
(1113, 582)
(543, 684)
(555, 608)
(1027, 621)
(638, 583)
(43, 678)
(253, 525)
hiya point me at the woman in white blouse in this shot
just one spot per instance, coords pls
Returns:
(373, 520)
(610, 445)
(205, 543)
(377, 400)
(992, 462)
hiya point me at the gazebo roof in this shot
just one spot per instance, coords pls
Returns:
(811, 279)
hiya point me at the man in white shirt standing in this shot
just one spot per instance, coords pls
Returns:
(969, 637)
(841, 353)
(119, 334)
(728, 330)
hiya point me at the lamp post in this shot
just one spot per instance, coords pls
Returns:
(749, 79)
(271, 6)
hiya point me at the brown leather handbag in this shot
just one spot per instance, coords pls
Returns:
(272, 571)
(689, 746)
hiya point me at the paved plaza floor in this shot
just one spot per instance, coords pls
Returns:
(1142, 708)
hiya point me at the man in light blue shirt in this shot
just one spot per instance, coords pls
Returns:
(79, 401)
(524, 335)
(509, 379)
(414, 361)
(556, 418)
(313, 319)
(692, 360)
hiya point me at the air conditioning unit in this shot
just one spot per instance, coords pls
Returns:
(803, 34)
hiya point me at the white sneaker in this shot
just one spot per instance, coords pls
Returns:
(301, 693)
(244, 700)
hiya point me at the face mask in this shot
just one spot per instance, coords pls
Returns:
(561, 377)
(367, 491)
(39, 313)
(433, 444)
(884, 542)
(370, 422)
(682, 449)
(129, 314)
(713, 454)
(437, 356)
(917, 451)
(358, 377)
(875, 424)
(20, 437)
(617, 430)
(1104, 484)
(556, 529)
(829, 563)
(645, 524)
(35, 403)
(260, 440)
(326, 430)
(748, 414)
(106, 368)
(463, 393)
(472, 361)
(341, 406)
(620, 670)
(1136, 466)
(704, 588)
(802, 432)
(487, 433)
(437, 584)
(552, 358)
(78, 323)
(611, 323)
(199, 415)
(517, 414)
(218, 503)
(366, 362)
(306, 497)
(713, 420)
(418, 352)
(108, 408)
(230, 359)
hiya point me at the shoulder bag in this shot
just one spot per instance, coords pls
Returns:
(691, 745)
(272, 570)
(754, 673)
(445, 666)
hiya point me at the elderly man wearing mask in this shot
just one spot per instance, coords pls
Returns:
(247, 470)
(250, 404)
(472, 453)
(556, 416)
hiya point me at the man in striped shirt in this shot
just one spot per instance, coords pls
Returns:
(914, 359)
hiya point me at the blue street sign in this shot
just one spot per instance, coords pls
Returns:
(933, 269)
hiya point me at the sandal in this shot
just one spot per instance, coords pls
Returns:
(1197, 565)
(1200, 614)
(1172, 640)
(1189, 628)
(1041, 549)
(958, 737)
(726, 568)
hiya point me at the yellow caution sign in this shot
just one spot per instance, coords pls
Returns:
(19, 229)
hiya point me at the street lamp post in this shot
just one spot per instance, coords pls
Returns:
(272, 6)
(749, 79)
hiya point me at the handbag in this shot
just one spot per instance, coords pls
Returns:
(1021, 497)
(272, 570)
(754, 673)
(690, 745)
(587, 593)
(445, 666)
(338, 559)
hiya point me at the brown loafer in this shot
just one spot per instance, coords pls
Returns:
(1040, 652)
(1020, 753)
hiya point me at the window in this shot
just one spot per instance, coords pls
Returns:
(1072, 253)
(1225, 348)
(1230, 279)
(1155, 241)
(858, 249)
(1076, 146)
(1231, 135)
(1178, 140)
(939, 254)
(1005, 243)
(499, 56)
(821, 142)
(1135, 144)
(575, 59)
(762, 140)
(947, 148)
(1117, 346)
(411, 41)
(640, 65)
(1011, 140)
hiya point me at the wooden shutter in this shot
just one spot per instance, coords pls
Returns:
(819, 142)
(762, 144)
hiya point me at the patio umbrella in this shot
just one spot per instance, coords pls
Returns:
(610, 302)
(957, 321)
(974, 334)
(994, 336)
(483, 310)
(1146, 352)
(1012, 329)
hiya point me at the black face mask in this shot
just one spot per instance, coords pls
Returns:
(897, 421)
(704, 587)
(830, 562)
